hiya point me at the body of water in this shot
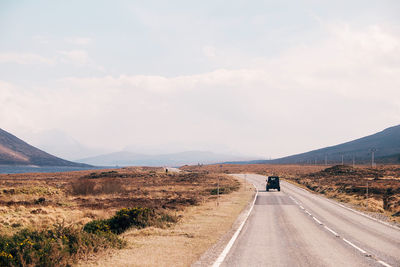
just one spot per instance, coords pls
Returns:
(27, 169)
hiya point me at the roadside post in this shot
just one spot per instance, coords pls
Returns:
(218, 186)
(367, 196)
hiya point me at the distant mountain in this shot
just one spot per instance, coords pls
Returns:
(14, 151)
(125, 158)
(60, 144)
(385, 143)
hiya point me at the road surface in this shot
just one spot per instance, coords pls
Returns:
(296, 228)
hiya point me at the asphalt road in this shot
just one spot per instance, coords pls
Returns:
(296, 228)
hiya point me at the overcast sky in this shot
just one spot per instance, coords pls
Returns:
(264, 78)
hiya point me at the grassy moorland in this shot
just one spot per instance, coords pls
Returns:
(61, 218)
(263, 169)
(344, 183)
(370, 189)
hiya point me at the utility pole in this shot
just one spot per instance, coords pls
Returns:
(218, 192)
(367, 195)
(218, 187)
(354, 161)
(342, 160)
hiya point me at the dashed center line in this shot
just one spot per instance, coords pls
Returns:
(384, 263)
(318, 221)
(330, 230)
(337, 235)
(354, 246)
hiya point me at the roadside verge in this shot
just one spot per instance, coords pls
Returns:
(215, 255)
(184, 243)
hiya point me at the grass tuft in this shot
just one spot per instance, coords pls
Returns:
(59, 246)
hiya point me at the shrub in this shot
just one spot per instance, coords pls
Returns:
(224, 190)
(83, 187)
(111, 186)
(126, 218)
(130, 217)
(86, 186)
(95, 175)
(59, 246)
(122, 220)
(97, 226)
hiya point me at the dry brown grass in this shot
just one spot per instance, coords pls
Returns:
(41, 199)
(346, 186)
(200, 227)
(263, 169)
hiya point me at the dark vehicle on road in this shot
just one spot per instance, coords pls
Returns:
(273, 183)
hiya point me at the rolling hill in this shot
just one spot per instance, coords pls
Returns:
(14, 151)
(385, 143)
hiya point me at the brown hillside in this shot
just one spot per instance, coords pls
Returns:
(14, 151)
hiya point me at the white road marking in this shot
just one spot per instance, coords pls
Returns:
(354, 246)
(228, 247)
(337, 235)
(330, 230)
(384, 263)
(363, 214)
(295, 201)
(343, 206)
(318, 221)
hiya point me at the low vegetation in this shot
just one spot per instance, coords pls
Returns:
(59, 218)
(56, 246)
(130, 217)
(372, 189)
(344, 183)
(263, 169)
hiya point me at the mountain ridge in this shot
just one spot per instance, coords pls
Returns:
(386, 146)
(14, 151)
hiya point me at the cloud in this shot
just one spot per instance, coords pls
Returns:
(78, 57)
(41, 39)
(209, 51)
(24, 58)
(79, 40)
(320, 94)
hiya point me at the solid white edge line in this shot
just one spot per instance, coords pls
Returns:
(330, 230)
(354, 246)
(345, 240)
(228, 247)
(363, 214)
(343, 206)
(318, 221)
(384, 263)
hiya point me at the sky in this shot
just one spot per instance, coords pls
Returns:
(258, 78)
